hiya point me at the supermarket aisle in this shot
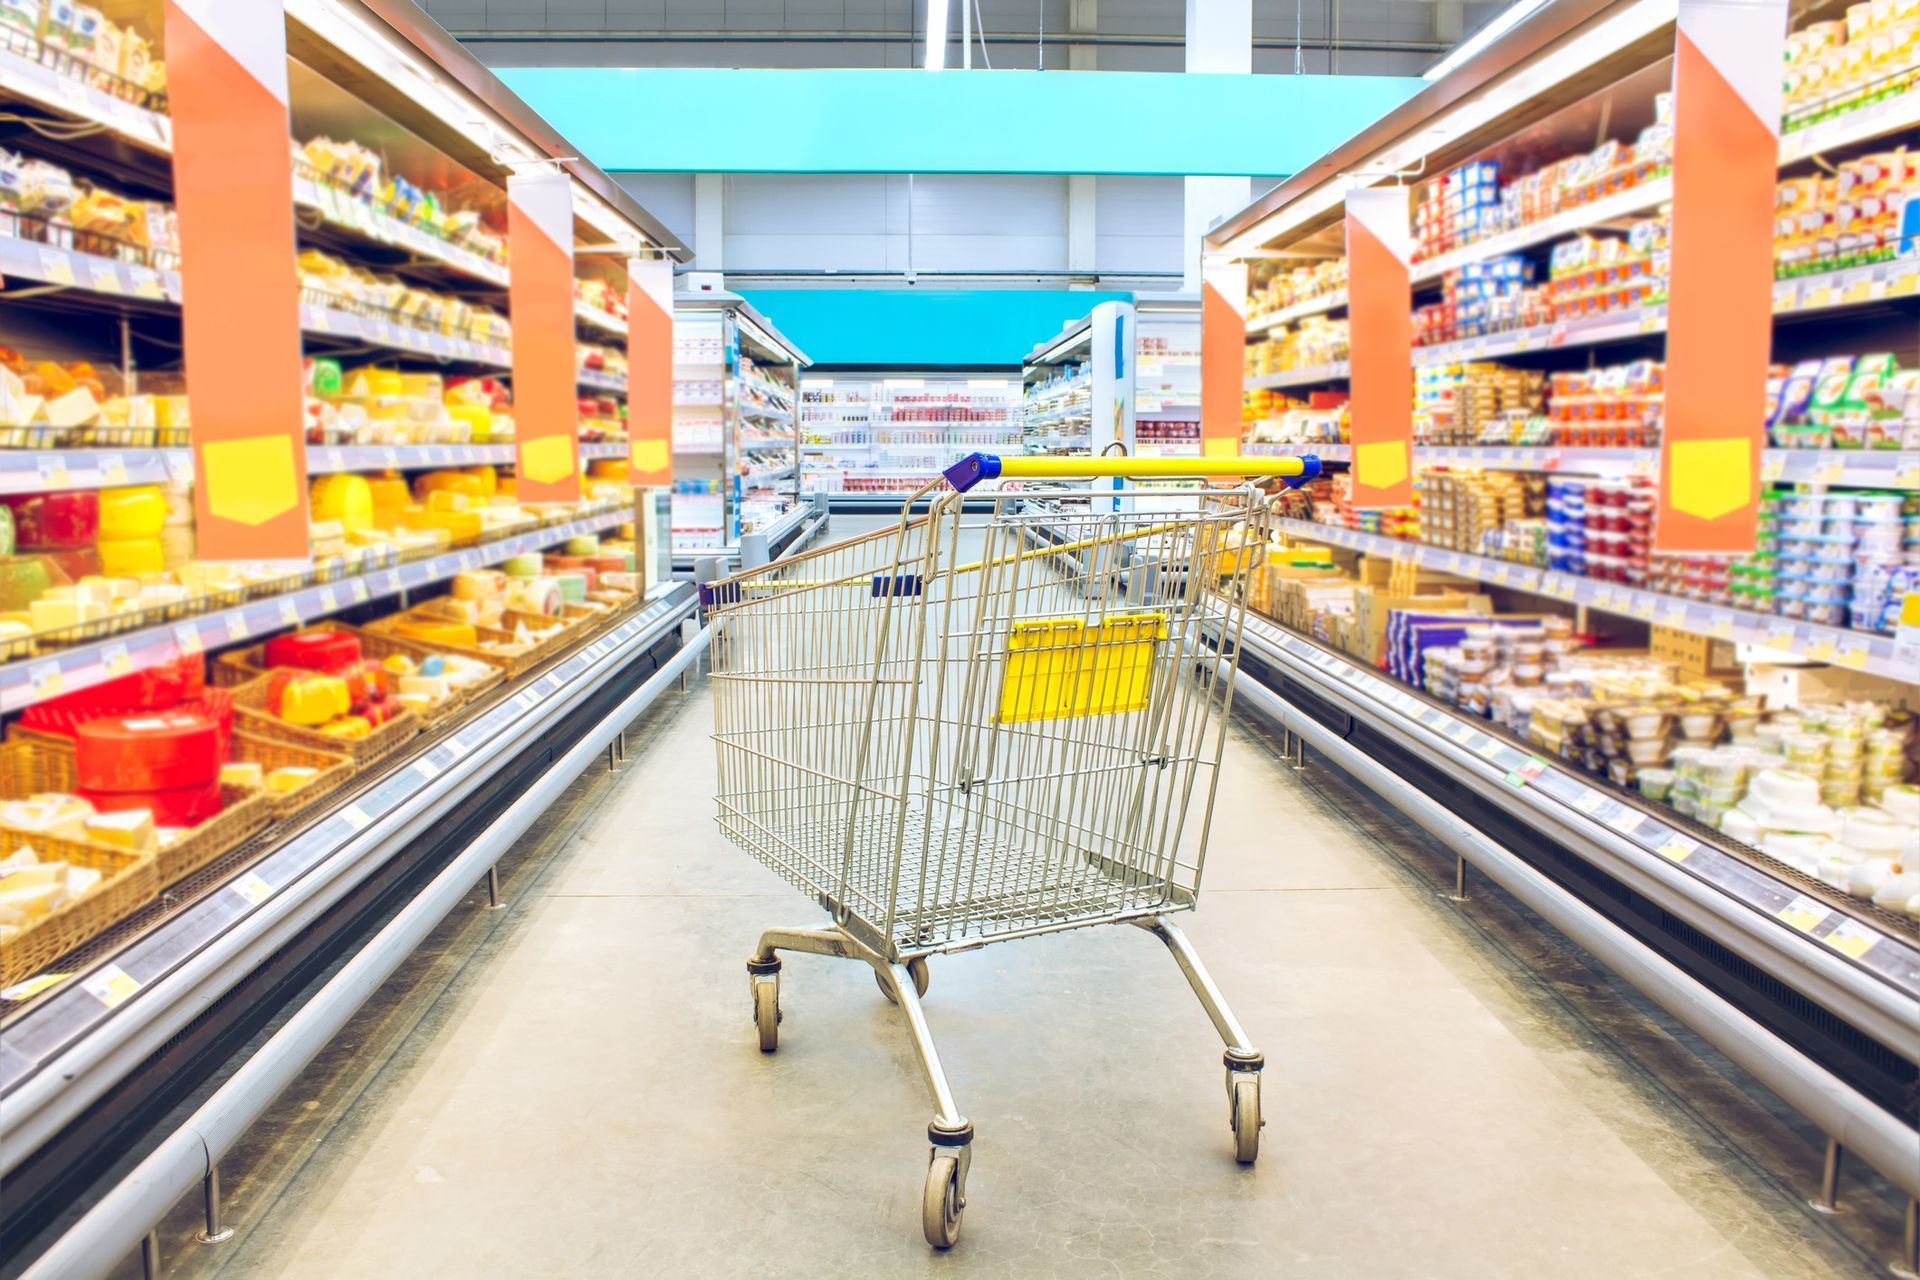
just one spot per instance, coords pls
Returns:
(586, 1098)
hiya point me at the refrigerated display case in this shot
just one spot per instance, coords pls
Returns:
(885, 434)
(1166, 384)
(736, 425)
(1702, 765)
(212, 763)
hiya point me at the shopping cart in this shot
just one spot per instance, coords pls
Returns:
(961, 730)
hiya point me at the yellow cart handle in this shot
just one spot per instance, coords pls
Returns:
(974, 468)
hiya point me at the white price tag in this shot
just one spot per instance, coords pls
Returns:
(103, 275)
(113, 469)
(56, 267)
(237, 626)
(147, 284)
(426, 769)
(456, 747)
(52, 469)
(112, 986)
(252, 888)
(186, 638)
(289, 612)
(114, 660)
(46, 680)
(328, 602)
(1804, 913)
(358, 589)
(356, 817)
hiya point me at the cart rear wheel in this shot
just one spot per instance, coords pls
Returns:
(942, 1204)
(766, 1012)
(1246, 1118)
(917, 970)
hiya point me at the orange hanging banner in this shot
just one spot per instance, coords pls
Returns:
(1223, 356)
(1380, 344)
(650, 372)
(240, 327)
(1726, 160)
(546, 402)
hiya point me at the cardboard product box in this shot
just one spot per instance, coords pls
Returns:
(1693, 653)
(1368, 639)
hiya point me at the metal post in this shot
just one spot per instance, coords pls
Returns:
(1910, 1249)
(214, 1232)
(1459, 893)
(493, 888)
(613, 759)
(150, 1255)
(1829, 1201)
(1299, 754)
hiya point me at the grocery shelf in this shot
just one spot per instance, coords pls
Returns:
(1859, 650)
(594, 318)
(1850, 468)
(30, 680)
(1305, 376)
(613, 382)
(1862, 124)
(49, 264)
(24, 80)
(346, 212)
(385, 333)
(1635, 199)
(1281, 317)
(38, 470)
(164, 979)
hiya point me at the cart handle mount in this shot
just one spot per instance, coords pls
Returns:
(1293, 472)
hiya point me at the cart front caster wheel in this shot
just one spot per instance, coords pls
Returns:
(917, 970)
(1245, 1117)
(766, 1012)
(942, 1203)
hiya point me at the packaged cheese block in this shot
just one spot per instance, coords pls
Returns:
(346, 498)
(314, 700)
(573, 587)
(242, 773)
(290, 777)
(138, 511)
(347, 728)
(429, 632)
(488, 478)
(479, 584)
(527, 565)
(329, 651)
(585, 544)
(38, 873)
(63, 817)
(620, 581)
(132, 555)
(58, 613)
(476, 418)
(435, 688)
(388, 493)
(130, 829)
(55, 521)
(534, 595)
(161, 751)
(170, 807)
(458, 482)
(415, 702)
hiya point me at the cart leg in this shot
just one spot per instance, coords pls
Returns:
(763, 973)
(1243, 1062)
(949, 1134)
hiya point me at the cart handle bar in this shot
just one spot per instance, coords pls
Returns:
(1295, 472)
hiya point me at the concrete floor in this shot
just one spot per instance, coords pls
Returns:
(570, 1087)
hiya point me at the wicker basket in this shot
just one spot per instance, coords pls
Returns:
(335, 769)
(251, 715)
(238, 666)
(513, 665)
(34, 762)
(128, 882)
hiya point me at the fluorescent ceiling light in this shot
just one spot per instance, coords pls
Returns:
(1501, 23)
(937, 34)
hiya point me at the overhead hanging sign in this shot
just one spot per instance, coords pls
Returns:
(1380, 344)
(546, 403)
(650, 372)
(1726, 157)
(240, 327)
(1223, 356)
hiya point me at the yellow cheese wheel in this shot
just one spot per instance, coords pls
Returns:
(314, 700)
(137, 511)
(614, 469)
(427, 631)
(477, 418)
(124, 557)
(489, 479)
(388, 492)
(346, 498)
(448, 482)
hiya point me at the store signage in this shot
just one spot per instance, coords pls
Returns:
(1223, 356)
(1726, 157)
(240, 332)
(650, 372)
(1380, 325)
(546, 406)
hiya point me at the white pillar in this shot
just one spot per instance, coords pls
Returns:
(1083, 18)
(1081, 223)
(1220, 42)
(1448, 21)
(709, 223)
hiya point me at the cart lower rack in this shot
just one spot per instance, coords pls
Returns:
(962, 730)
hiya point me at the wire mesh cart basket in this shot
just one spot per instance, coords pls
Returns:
(965, 729)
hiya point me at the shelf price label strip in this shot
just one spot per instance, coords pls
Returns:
(25, 682)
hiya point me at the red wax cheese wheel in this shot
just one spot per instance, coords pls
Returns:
(55, 521)
(565, 564)
(607, 564)
(314, 650)
(171, 806)
(160, 752)
(152, 689)
(214, 704)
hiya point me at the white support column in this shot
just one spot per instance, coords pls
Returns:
(1449, 20)
(1220, 42)
(1082, 224)
(1083, 18)
(709, 227)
